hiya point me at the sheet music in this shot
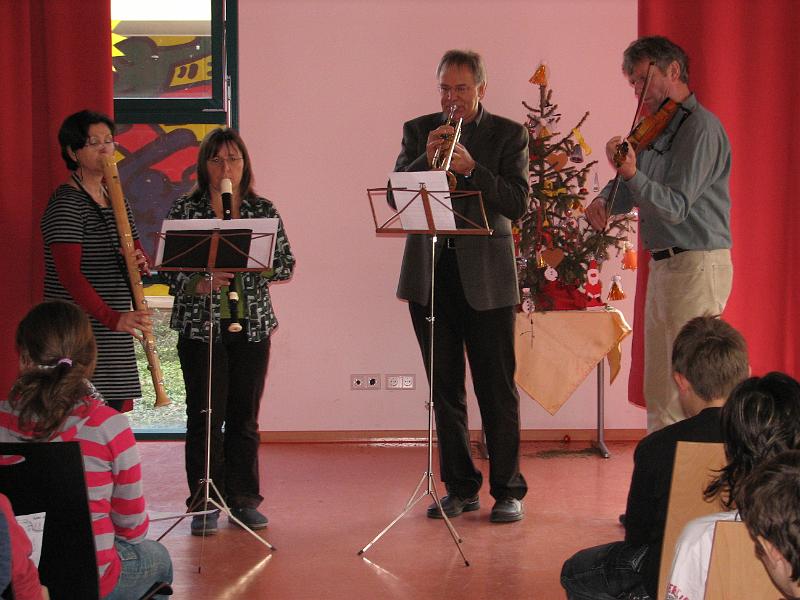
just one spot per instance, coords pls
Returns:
(262, 246)
(406, 184)
(33, 525)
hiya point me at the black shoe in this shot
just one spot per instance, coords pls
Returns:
(205, 524)
(507, 510)
(454, 506)
(250, 517)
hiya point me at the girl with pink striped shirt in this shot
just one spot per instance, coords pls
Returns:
(53, 401)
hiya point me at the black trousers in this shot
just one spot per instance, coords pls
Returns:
(237, 383)
(488, 337)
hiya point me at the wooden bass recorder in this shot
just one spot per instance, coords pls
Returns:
(137, 289)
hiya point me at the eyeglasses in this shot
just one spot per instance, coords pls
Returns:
(458, 90)
(95, 144)
(218, 161)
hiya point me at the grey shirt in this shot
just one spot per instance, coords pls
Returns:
(681, 184)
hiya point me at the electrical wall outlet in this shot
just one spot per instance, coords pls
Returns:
(365, 381)
(400, 382)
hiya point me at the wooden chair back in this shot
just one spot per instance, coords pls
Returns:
(735, 571)
(695, 466)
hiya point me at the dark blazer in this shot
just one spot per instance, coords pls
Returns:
(486, 264)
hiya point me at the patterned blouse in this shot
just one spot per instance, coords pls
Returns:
(190, 311)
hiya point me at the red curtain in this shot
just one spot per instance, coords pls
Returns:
(55, 59)
(744, 65)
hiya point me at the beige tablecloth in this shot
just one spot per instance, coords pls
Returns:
(557, 350)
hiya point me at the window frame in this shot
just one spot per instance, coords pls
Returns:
(213, 110)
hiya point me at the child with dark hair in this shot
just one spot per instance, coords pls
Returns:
(760, 420)
(769, 504)
(709, 357)
(53, 401)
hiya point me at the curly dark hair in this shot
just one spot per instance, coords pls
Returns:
(769, 503)
(760, 420)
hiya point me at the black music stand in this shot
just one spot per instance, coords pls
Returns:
(432, 203)
(203, 250)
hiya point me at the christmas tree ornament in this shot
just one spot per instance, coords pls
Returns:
(576, 155)
(544, 132)
(550, 274)
(540, 264)
(592, 287)
(629, 258)
(527, 301)
(587, 150)
(616, 293)
(540, 75)
(553, 256)
(557, 160)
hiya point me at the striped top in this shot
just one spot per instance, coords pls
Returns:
(113, 477)
(72, 217)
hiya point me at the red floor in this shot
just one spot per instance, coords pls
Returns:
(327, 501)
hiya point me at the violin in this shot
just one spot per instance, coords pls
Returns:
(646, 131)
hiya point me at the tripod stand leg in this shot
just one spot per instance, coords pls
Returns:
(413, 501)
(409, 505)
(197, 500)
(453, 533)
(224, 508)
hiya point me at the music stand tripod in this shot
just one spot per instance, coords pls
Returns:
(433, 229)
(190, 244)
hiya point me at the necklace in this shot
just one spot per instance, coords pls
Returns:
(100, 197)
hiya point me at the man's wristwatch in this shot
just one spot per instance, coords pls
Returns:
(469, 174)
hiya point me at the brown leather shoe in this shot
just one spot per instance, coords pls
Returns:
(454, 506)
(507, 510)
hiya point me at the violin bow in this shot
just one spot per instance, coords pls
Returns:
(624, 144)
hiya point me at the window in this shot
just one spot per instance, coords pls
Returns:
(175, 79)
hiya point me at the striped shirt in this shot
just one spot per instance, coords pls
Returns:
(113, 477)
(72, 217)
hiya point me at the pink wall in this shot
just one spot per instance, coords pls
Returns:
(325, 88)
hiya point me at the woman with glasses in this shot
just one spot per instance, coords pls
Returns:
(83, 262)
(239, 357)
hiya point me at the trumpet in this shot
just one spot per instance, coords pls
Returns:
(444, 153)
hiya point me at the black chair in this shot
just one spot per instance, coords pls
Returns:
(50, 479)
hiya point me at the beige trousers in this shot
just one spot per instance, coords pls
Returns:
(679, 288)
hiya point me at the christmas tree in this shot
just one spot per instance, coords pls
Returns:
(556, 244)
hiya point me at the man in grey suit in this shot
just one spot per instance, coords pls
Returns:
(476, 288)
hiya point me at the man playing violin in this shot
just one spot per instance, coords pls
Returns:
(679, 183)
(476, 287)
